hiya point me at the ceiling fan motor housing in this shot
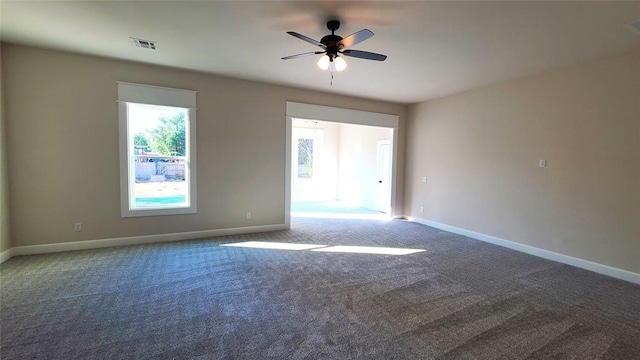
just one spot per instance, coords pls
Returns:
(331, 42)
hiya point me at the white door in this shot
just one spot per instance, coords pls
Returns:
(384, 177)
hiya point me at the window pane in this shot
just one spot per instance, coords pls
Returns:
(158, 135)
(305, 158)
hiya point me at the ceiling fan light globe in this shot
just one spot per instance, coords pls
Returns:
(340, 64)
(323, 62)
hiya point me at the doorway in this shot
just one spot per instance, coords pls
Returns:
(340, 162)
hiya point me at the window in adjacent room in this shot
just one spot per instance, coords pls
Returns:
(157, 150)
(305, 158)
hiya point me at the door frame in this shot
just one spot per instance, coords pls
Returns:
(338, 115)
(380, 176)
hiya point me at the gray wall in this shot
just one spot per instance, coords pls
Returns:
(61, 109)
(480, 152)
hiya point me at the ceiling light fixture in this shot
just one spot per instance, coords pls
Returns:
(323, 62)
(332, 63)
(339, 63)
(334, 48)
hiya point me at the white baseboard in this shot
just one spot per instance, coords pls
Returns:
(134, 240)
(6, 255)
(565, 259)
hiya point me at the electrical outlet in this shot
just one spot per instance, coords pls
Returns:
(542, 163)
(248, 215)
(77, 227)
(424, 179)
(421, 208)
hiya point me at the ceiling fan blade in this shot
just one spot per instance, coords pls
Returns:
(356, 37)
(307, 39)
(302, 55)
(364, 55)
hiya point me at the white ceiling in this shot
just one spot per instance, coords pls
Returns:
(434, 48)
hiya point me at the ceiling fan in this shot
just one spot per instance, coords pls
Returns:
(334, 46)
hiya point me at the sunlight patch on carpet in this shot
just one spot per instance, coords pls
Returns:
(369, 250)
(325, 248)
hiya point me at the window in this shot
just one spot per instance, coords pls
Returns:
(305, 158)
(157, 150)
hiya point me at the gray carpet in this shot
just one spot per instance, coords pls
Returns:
(459, 299)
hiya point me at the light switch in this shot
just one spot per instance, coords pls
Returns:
(424, 179)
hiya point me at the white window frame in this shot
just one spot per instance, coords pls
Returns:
(160, 96)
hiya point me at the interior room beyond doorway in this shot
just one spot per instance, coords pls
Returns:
(340, 169)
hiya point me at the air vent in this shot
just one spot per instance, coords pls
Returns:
(145, 44)
(634, 26)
